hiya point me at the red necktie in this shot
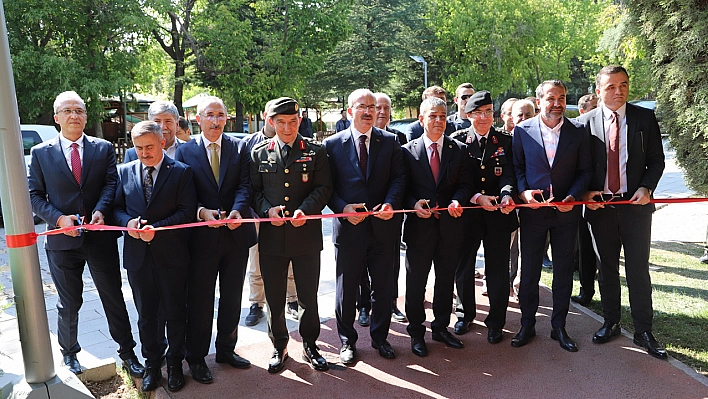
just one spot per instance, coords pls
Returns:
(76, 162)
(613, 172)
(435, 161)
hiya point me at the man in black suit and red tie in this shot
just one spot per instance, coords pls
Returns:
(72, 180)
(492, 168)
(552, 163)
(153, 192)
(221, 167)
(628, 160)
(439, 185)
(368, 173)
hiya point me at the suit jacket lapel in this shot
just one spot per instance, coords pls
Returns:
(564, 139)
(89, 155)
(227, 147)
(535, 134)
(597, 127)
(162, 176)
(631, 117)
(59, 159)
(350, 149)
(446, 158)
(137, 179)
(374, 149)
(203, 160)
(295, 152)
(422, 154)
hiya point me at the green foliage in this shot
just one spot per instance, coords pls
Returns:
(89, 46)
(677, 33)
(514, 44)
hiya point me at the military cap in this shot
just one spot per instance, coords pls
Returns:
(477, 100)
(283, 105)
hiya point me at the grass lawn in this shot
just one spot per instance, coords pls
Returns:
(680, 299)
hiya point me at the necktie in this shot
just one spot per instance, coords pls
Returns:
(435, 161)
(214, 161)
(148, 183)
(613, 173)
(363, 155)
(482, 143)
(286, 152)
(76, 162)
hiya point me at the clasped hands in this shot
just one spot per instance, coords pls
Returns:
(423, 210)
(214, 214)
(381, 211)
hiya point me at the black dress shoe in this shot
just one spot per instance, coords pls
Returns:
(73, 364)
(397, 315)
(419, 347)
(462, 327)
(175, 378)
(647, 341)
(152, 378)
(522, 337)
(582, 299)
(448, 339)
(201, 373)
(233, 359)
(559, 334)
(364, 319)
(312, 356)
(255, 314)
(494, 335)
(277, 360)
(606, 332)
(347, 353)
(385, 349)
(133, 367)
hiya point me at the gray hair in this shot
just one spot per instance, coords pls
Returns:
(385, 96)
(508, 104)
(522, 103)
(146, 127)
(209, 100)
(431, 102)
(162, 107)
(66, 96)
(553, 82)
(357, 94)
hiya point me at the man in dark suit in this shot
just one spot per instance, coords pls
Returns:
(368, 173)
(416, 130)
(166, 115)
(552, 161)
(439, 185)
(458, 120)
(305, 128)
(628, 160)
(220, 165)
(72, 180)
(490, 156)
(291, 179)
(157, 191)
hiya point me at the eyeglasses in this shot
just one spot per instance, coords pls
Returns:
(362, 107)
(69, 111)
(479, 114)
(220, 117)
(464, 97)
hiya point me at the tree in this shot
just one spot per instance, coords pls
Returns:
(677, 35)
(89, 46)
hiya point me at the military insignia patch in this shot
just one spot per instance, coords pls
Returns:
(497, 171)
(305, 177)
(495, 140)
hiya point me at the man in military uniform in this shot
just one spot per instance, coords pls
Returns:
(291, 179)
(493, 181)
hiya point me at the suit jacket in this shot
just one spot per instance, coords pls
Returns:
(173, 201)
(572, 166)
(385, 182)
(131, 155)
(645, 161)
(416, 130)
(303, 181)
(492, 174)
(54, 191)
(455, 183)
(401, 136)
(233, 191)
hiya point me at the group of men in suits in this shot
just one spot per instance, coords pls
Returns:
(611, 153)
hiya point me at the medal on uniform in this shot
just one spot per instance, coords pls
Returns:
(497, 171)
(305, 177)
(495, 140)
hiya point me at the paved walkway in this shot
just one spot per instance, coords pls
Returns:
(674, 222)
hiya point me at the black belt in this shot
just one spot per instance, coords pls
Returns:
(615, 197)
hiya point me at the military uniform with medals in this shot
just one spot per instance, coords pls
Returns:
(299, 180)
(493, 175)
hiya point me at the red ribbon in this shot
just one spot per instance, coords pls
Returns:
(21, 240)
(31, 238)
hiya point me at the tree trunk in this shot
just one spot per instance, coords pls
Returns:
(179, 85)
